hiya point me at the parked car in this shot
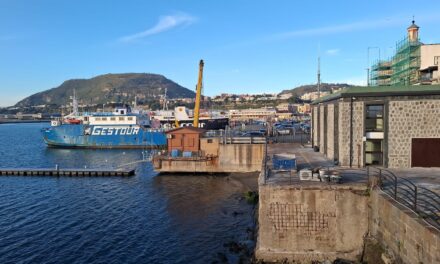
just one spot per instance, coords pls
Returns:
(252, 134)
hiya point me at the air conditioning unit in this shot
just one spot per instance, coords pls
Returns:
(305, 175)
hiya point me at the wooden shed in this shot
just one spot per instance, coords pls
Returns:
(184, 139)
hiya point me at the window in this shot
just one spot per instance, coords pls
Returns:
(130, 118)
(97, 119)
(436, 60)
(210, 140)
(121, 118)
(113, 118)
(104, 119)
(373, 152)
(374, 118)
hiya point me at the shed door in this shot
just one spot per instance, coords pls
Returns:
(425, 152)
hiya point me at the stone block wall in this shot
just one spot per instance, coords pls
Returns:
(309, 224)
(402, 231)
(407, 120)
(344, 133)
(315, 125)
(330, 131)
(321, 128)
(358, 134)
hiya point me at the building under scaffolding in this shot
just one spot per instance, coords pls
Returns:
(405, 67)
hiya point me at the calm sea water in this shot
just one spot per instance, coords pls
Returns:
(147, 218)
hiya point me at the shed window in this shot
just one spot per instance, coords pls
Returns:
(374, 118)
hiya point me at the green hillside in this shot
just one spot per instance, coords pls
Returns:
(108, 88)
(300, 90)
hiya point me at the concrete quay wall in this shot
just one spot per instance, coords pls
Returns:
(403, 232)
(306, 224)
(231, 158)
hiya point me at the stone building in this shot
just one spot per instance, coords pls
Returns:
(390, 126)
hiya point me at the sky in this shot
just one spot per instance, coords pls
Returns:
(248, 46)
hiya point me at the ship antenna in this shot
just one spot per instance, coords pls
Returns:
(74, 103)
(165, 102)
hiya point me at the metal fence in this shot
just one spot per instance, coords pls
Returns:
(422, 201)
(296, 137)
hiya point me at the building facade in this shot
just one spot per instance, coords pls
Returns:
(395, 127)
(412, 63)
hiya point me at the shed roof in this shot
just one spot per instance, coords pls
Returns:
(190, 128)
(377, 91)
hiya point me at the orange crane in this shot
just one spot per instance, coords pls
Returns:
(198, 95)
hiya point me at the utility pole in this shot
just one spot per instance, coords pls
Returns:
(319, 76)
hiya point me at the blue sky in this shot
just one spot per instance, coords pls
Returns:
(248, 46)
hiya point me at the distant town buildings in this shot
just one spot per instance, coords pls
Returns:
(313, 95)
(413, 63)
(262, 114)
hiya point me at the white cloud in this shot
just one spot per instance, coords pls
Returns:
(332, 51)
(165, 23)
(396, 20)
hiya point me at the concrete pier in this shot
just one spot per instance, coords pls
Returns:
(65, 172)
(226, 158)
(309, 221)
(306, 221)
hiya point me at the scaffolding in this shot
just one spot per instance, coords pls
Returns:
(406, 63)
(381, 73)
(401, 69)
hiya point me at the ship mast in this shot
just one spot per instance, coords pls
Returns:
(165, 101)
(198, 95)
(74, 104)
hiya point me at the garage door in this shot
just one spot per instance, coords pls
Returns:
(425, 152)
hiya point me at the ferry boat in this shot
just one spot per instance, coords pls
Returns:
(182, 116)
(119, 129)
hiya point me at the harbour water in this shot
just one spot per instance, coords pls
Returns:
(147, 218)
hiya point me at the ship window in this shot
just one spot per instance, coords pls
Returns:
(104, 119)
(121, 118)
(86, 118)
(130, 118)
(97, 119)
(112, 118)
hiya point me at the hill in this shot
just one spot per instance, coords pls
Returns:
(303, 89)
(117, 88)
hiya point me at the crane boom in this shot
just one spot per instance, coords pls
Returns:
(198, 95)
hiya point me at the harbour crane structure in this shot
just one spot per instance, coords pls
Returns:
(198, 95)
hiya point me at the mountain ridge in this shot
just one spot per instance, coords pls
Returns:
(111, 87)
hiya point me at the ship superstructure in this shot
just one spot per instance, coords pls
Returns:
(121, 128)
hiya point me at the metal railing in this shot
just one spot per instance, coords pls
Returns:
(265, 169)
(421, 200)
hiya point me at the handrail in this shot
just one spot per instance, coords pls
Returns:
(421, 200)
